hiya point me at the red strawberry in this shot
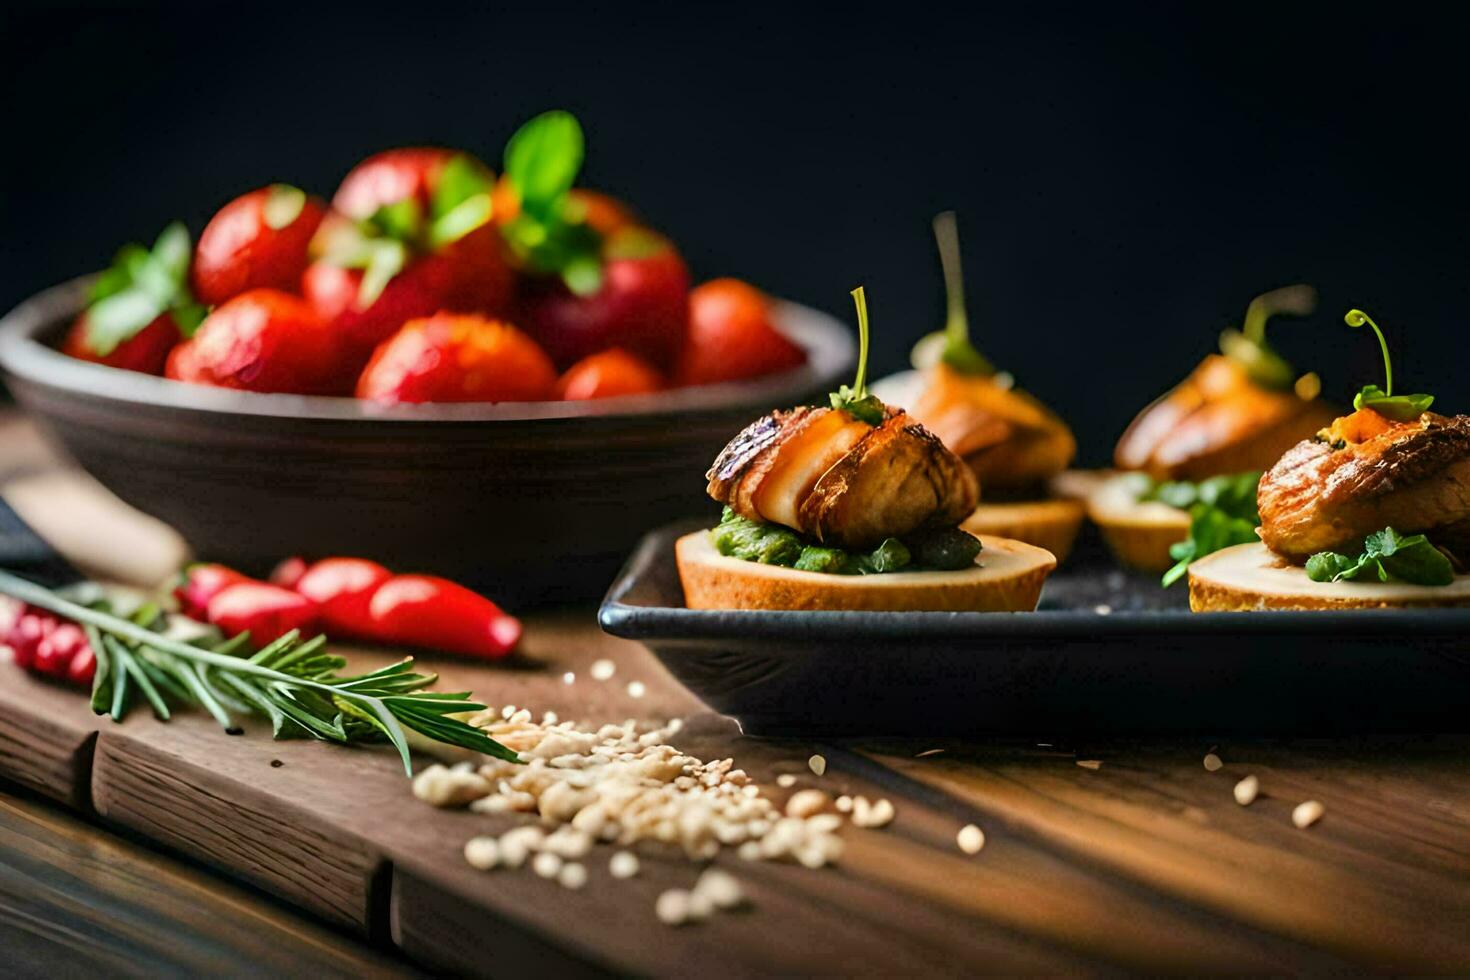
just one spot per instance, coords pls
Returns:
(145, 351)
(410, 236)
(139, 308)
(262, 340)
(259, 239)
(457, 358)
(608, 374)
(731, 336)
(641, 304)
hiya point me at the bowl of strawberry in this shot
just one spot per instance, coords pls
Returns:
(500, 378)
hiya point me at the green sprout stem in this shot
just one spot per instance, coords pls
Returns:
(860, 383)
(1356, 318)
(947, 235)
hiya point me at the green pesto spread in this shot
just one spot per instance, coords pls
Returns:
(945, 550)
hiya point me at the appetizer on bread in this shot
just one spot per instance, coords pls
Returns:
(1012, 442)
(824, 507)
(1372, 511)
(1235, 414)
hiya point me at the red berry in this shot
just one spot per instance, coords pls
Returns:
(26, 633)
(608, 374)
(83, 668)
(452, 358)
(55, 651)
(262, 340)
(259, 239)
(146, 351)
(731, 336)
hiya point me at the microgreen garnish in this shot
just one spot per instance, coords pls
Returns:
(1247, 346)
(139, 287)
(1222, 512)
(383, 243)
(855, 400)
(1400, 408)
(951, 346)
(542, 161)
(293, 682)
(1388, 556)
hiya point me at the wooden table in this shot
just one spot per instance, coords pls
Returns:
(1098, 858)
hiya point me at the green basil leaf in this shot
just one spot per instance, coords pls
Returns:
(1224, 515)
(460, 220)
(461, 179)
(187, 318)
(283, 205)
(542, 160)
(119, 317)
(119, 275)
(387, 257)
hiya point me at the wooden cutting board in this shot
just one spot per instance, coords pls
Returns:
(1144, 863)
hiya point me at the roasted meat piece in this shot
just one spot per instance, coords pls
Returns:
(1365, 473)
(1008, 438)
(841, 481)
(1217, 421)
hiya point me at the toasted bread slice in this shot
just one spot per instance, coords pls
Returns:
(1138, 532)
(1007, 577)
(1249, 577)
(1050, 524)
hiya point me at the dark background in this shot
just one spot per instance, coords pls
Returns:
(1127, 177)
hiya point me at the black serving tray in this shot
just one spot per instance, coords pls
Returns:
(1106, 653)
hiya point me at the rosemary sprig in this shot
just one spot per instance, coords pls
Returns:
(293, 682)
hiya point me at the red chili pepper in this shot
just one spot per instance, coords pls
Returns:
(342, 588)
(199, 584)
(267, 611)
(425, 611)
(42, 643)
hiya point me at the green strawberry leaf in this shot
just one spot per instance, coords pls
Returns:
(461, 179)
(120, 317)
(386, 258)
(140, 286)
(460, 220)
(283, 205)
(402, 220)
(583, 275)
(542, 160)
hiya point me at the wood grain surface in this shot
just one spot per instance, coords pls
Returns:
(1142, 862)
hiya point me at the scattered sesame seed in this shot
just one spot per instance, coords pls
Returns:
(672, 907)
(1212, 762)
(603, 669)
(546, 864)
(1093, 764)
(786, 780)
(636, 689)
(624, 864)
(569, 678)
(806, 802)
(1246, 790)
(879, 813)
(482, 853)
(928, 752)
(720, 888)
(843, 804)
(818, 764)
(970, 838)
(1307, 814)
(1103, 609)
(572, 876)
